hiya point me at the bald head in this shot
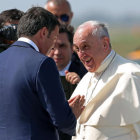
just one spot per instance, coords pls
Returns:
(61, 9)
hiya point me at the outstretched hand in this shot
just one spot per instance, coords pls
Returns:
(76, 103)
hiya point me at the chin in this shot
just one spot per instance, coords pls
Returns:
(90, 69)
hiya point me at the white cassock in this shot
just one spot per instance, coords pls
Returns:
(112, 95)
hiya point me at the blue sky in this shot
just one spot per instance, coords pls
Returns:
(109, 7)
(115, 7)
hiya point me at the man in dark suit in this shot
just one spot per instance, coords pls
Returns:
(32, 103)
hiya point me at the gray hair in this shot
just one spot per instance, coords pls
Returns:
(100, 30)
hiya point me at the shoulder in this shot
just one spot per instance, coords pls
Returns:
(123, 65)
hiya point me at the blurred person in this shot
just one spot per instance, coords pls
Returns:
(61, 9)
(32, 104)
(111, 88)
(10, 16)
(8, 27)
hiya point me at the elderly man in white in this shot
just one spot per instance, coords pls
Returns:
(111, 88)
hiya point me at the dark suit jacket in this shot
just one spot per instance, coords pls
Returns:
(32, 102)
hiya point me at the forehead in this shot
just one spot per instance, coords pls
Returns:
(58, 8)
(63, 35)
(82, 35)
(62, 38)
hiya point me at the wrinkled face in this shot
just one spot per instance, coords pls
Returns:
(61, 11)
(62, 51)
(90, 48)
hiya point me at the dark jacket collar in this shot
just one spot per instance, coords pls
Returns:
(22, 44)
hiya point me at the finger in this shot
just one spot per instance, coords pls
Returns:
(66, 71)
(72, 99)
(68, 77)
(82, 100)
(75, 80)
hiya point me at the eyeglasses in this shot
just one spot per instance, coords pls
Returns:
(63, 17)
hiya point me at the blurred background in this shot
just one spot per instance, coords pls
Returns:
(121, 16)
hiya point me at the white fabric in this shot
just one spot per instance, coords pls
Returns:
(24, 39)
(95, 77)
(62, 72)
(113, 113)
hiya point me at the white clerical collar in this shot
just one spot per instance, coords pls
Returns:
(106, 62)
(24, 39)
(62, 72)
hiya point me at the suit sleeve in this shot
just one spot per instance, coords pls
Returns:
(53, 98)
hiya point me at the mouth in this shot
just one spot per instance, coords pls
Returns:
(89, 64)
(87, 61)
(58, 59)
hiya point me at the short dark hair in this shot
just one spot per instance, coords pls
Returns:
(10, 15)
(35, 19)
(69, 30)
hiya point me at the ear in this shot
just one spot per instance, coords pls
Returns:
(106, 43)
(43, 32)
(71, 16)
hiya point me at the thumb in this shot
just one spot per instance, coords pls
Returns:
(66, 71)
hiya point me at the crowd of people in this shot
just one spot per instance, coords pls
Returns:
(61, 83)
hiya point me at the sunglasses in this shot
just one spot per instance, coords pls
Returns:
(63, 17)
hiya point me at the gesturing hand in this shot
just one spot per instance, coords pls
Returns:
(72, 77)
(76, 103)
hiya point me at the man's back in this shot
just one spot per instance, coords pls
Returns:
(28, 108)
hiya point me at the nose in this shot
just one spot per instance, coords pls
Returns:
(57, 51)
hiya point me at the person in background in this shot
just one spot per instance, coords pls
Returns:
(62, 54)
(111, 88)
(8, 27)
(33, 105)
(61, 9)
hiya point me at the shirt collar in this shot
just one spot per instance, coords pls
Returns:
(24, 39)
(62, 72)
(106, 62)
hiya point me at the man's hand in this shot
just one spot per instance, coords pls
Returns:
(72, 77)
(76, 103)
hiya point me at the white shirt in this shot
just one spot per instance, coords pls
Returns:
(24, 39)
(62, 72)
